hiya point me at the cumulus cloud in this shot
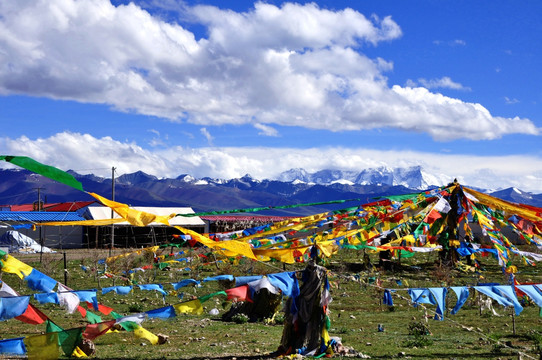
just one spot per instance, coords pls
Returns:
(293, 65)
(64, 150)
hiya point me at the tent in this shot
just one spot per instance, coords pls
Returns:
(16, 242)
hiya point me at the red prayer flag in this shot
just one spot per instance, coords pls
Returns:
(32, 315)
(82, 310)
(106, 310)
(432, 216)
(92, 331)
(240, 293)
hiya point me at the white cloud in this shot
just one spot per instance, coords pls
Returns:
(207, 135)
(442, 83)
(459, 42)
(81, 152)
(456, 42)
(510, 101)
(266, 130)
(295, 65)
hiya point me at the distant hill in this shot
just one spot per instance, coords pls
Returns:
(295, 186)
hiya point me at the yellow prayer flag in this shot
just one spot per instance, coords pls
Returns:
(133, 216)
(234, 246)
(77, 352)
(42, 347)
(328, 248)
(14, 266)
(283, 255)
(142, 333)
(506, 206)
(189, 307)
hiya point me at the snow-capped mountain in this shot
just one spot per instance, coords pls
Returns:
(294, 186)
(413, 177)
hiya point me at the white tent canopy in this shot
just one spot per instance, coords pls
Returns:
(16, 242)
(103, 213)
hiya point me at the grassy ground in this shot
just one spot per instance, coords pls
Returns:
(356, 311)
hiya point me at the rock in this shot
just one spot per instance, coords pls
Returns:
(401, 354)
(352, 317)
(368, 344)
(162, 339)
(143, 344)
(87, 347)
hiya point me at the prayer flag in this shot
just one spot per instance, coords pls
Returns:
(12, 347)
(93, 318)
(11, 265)
(11, 307)
(44, 170)
(32, 316)
(67, 299)
(36, 280)
(42, 347)
(189, 307)
(164, 313)
(184, 283)
(143, 333)
(240, 293)
(92, 331)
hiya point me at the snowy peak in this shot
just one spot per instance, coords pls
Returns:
(412, 177)
(291, 175)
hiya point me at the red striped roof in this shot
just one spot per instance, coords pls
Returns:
(61, 207)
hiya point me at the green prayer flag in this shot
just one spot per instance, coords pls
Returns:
(115, 315)
(45, 170)
(207, 297)
(52, 327)
(407, 254)
(162, 265)
(93, 318)
(67, 339)
(256, 209)
(129, 325)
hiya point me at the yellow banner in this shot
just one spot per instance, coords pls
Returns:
(133, 216)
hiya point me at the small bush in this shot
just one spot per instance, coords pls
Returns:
(240, 318)
(136, 308)
(418, 332)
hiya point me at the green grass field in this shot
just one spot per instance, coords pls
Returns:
(356, 311)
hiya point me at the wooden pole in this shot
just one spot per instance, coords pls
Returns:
(112, 198)
(65, 270)
(513, 322)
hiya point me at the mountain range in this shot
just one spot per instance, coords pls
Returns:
(294, 186)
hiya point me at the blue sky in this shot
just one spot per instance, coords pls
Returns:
(221, 89)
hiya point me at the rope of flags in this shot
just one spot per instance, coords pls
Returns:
(14, 305)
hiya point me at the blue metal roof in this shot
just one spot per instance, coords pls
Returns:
(39, 216)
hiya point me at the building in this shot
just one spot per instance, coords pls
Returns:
(124, 234)
(57, 237)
